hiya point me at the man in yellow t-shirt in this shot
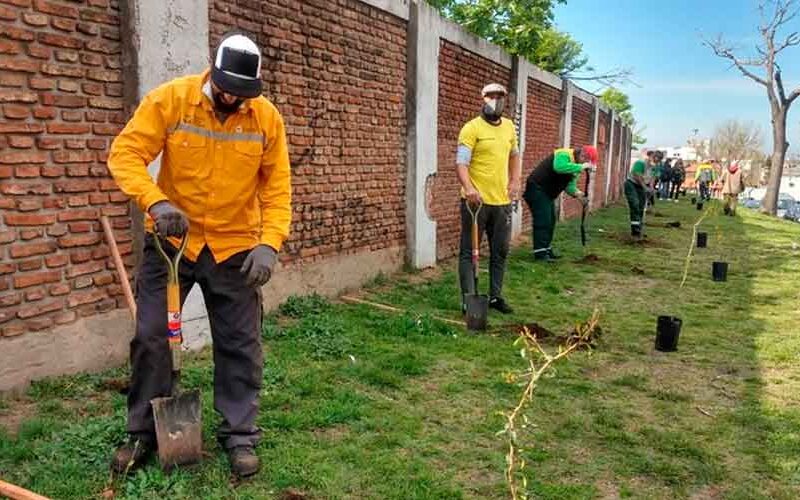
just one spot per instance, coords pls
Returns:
(488, 166)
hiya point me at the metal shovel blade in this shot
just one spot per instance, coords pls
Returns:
(178, 429)
(477, 312)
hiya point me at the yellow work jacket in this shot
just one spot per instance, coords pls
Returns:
(232, 179)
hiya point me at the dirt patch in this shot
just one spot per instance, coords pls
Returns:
(535, 329)
(637, 270)
(292, 494)
(709, 492)
(18, 411)
(637, 242)
(588, 259)
(119, 385)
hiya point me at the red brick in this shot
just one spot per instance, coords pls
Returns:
(57, 230)
(21, 128)
(61, 70)
(10, 299)
(106, 129)
(68, 86)
(103, 47)
(100, 253)
(29, 249)
(72, 115)
(117, 197)
(124, 248)
(67, 25)
(29, 219)
(20, 142)
(105, 103)
(70, 241)
(90, 59)
(5, 284)
(104, 279)
(12, 330)
(23, 157)
(80, 227)
(7, 315)
(80, 298)
(57, 260)
(6, 31)
(7, 236)
(34, 295)
(114, 89)
(86, 268)
(77, 170)
(80, 200)
(115, 210)
(38, 324)
(81, 255)
(39, 309)
(39, 52)
(16, 112)
(108, 185)
(30, 265)
(42, 83)
(6, 171)
(73, 157)
(67, 128)
(99, 17)
(63, 101)
(102, 75)
(60, 40)
(55, 9)
(92, 88)
(34, 19)
(44, 113)
(96, 143)
(28, 204)
(52, 171)
(22, 188)
(30, 234)
(6, 268)
(17, 96)
(94, 115)
(12, 80)
(75, 143)
(27, 171)
(59, 289)
(7, 14)
(7, 47)
(65, 317)
(33, 279)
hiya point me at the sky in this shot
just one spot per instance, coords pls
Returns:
(681, 84)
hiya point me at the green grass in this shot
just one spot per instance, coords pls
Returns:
(362, 404)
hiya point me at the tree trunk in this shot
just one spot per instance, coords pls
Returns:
(779, 147)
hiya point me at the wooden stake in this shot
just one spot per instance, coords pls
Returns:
(16, 493)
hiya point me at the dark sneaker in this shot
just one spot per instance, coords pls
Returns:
(498, 304)
(244, 461)
(131, 455)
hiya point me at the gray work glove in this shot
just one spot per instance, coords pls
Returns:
(258, 265)
(169, 220)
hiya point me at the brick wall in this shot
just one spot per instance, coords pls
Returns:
(543, 122)
(581, 134)
(462, 75)
(61, 101)
(336, 70)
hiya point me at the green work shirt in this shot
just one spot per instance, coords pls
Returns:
(564, 163)
(639, 167)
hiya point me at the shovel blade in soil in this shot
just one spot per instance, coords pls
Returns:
(178, 429)
(477, 312)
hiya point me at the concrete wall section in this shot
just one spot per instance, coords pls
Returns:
(457, 35)
(399, 8)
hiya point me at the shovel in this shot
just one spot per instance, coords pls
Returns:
(177, 418)
(477, 305)
(585, 209)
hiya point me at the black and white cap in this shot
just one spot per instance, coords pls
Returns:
(237, 67)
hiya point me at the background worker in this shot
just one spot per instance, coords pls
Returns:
(489, 170)
(678, 176)
(732, 184)
(556, 173)
(636, 189)
(703, 178)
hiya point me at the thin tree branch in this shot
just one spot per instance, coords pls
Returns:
(721, 50)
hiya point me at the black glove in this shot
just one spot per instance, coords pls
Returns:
(169, 220)
(258, 265)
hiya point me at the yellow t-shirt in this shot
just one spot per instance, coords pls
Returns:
(491, 147)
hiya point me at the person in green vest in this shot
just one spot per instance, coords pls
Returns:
(637, 190)
(556, 173)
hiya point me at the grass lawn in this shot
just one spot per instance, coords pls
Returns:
(364, 404)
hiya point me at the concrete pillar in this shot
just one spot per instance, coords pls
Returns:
(610, 156)
(422, 103)
(519, 94)
(165, 40)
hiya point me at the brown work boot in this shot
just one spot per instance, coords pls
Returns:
(131, 455)
(244, 461)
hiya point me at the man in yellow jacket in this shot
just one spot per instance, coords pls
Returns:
(224, 183)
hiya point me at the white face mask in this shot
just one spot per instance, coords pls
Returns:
(493, 108)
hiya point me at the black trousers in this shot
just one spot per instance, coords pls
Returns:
(543, 212)
(495, 221)
(234, 311)
(637, 198)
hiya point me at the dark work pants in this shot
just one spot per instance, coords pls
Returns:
(676, 188)
(636, 197)
(234, 311)
(495, 221)
(543, 211)
(705, 191)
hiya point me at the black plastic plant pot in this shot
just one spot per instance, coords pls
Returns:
(700, 205)
(719, 270)
(667, 332)
(702, 240)
(694, 200)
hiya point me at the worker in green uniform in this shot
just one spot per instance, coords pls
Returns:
(556, 173)
(637, 191)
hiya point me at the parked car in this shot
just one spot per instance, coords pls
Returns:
(793, 212)
(751, 203)
(785, 202)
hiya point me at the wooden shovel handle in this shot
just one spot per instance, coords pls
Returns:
(123, 274)
(16, 493)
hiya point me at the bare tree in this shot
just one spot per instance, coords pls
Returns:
(765, 70)
(736, 140)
